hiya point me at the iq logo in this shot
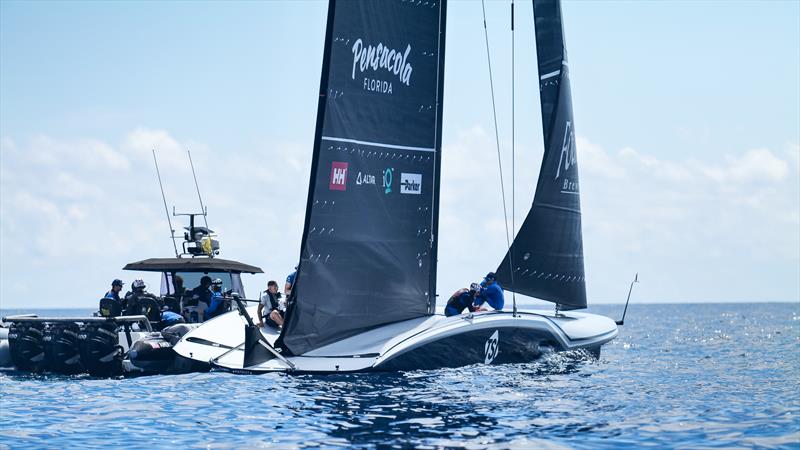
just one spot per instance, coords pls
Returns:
(410, 183)
(338, 176)
(388, 174)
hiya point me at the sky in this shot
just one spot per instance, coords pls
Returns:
(687, 119)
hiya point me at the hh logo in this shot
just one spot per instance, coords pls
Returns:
(338, 176)
(490, 348)
(410, 183)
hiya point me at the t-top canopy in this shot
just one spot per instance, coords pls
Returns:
(191, 265)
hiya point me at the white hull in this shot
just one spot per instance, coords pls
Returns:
(423, 343)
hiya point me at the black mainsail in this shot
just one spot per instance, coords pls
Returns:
(368, 253)
(547, 254)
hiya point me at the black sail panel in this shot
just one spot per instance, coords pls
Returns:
(368, 253)
(546, 258)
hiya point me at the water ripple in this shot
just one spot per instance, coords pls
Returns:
(677, 376)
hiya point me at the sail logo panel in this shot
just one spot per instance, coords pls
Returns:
(338, 176)
(368, 254)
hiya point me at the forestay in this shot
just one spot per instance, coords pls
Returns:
(547, 252)
(368, 252)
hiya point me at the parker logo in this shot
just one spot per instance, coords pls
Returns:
(411, 183)
(338, 176)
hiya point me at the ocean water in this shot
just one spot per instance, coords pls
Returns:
(711, 375)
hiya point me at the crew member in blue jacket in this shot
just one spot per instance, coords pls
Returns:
(111, 304)
(491, 293)
(116, 288)
(217, 300)
(287, 288)
(461, 300)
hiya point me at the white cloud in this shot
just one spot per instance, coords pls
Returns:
(141, 142)
(594, 160)
(87, 153)
(662, 169)
(754, 165)
(793, 153)
(687, 226)
(79, 209)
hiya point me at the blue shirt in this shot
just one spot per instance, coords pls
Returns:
(216, 301)
(171, 317)
(112, 295)
(493, 295)
(291, 277)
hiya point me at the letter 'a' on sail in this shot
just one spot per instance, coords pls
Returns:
(545, 260)
(368, 252)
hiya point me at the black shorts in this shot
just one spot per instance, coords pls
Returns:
(268, 320)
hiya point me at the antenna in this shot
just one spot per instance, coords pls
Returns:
(635, 280)
(166, 210)
(202, 208)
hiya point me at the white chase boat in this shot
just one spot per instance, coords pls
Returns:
(365, 292)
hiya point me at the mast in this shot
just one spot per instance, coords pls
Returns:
(368, 251)
(546, 258)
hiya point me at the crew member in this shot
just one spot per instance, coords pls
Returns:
(111, 304)
(271, 299)
(201, 293)
(461, 300)
(287, 288)
(116, 288)
(217, 300)
(491, 294)
(139, 301)
(177, 281)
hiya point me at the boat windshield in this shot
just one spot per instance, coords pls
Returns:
(191, 280)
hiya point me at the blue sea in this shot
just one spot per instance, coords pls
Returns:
(696, 376)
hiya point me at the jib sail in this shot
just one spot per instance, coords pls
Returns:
(368, 253)
(546, 258)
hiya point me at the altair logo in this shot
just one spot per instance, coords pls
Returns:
(338, 180)
(411, 183)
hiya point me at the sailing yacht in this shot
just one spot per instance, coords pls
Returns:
(365, 293)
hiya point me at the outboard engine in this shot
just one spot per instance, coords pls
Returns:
(98, 344)
(61, 348)
(152, 354)
(26, 346)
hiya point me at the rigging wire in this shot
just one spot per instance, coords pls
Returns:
(166, 210)
(499, 158)
(513, 164)
(496, 133)
(197, 186)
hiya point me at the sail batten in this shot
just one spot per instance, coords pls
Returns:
(368, 253)
(548, 249)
